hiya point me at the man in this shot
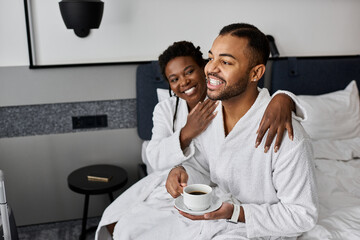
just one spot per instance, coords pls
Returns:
(276, 192)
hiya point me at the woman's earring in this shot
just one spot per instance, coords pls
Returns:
(254, 80)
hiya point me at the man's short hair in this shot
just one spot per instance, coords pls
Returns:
(258, 44)
(180, 49)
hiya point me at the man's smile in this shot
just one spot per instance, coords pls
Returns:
(214, 82)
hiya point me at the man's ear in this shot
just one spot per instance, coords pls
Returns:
(257, 72)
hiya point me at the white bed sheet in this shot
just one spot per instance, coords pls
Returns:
(339, 197)
(339, 200)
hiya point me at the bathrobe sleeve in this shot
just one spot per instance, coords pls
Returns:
(294, 181)
(164, 150)
(300, 111)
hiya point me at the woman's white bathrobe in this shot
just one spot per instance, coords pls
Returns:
(163, 152)
(149, 194)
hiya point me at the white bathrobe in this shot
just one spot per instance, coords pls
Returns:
(277, 190)
(163, 153)
(149, 194)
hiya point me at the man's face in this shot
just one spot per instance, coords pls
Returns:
(227, 71)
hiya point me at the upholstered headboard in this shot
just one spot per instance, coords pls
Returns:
(148, 79)
(314, 75)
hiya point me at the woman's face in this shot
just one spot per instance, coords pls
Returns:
(186, 79)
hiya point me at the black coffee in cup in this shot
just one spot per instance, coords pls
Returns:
(197, 197)
(197, 193)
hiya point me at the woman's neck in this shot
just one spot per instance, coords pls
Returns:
(192, 105)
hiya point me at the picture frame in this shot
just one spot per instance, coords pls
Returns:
(51, 44)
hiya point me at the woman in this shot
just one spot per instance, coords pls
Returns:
(177, 122)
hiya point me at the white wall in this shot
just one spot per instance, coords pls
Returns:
(36, 167)
(322, 27)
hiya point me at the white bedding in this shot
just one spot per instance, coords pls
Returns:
(338, 190)
(339, 198)
(339, 195)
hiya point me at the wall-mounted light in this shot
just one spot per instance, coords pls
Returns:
(81, 15)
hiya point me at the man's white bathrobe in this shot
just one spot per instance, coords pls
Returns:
(146, 210)
(276, 190)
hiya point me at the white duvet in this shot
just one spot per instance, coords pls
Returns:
(339, 199)
(338, 192)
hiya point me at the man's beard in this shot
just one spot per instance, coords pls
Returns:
(230, 92)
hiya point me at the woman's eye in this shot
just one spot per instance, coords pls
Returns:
(189, 72)
(173, 80)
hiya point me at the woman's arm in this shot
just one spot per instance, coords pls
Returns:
(164, 149)
(277, 117)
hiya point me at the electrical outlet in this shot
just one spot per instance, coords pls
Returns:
(96, 121)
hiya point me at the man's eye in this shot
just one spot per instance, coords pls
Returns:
(210, 59)
(225, 62)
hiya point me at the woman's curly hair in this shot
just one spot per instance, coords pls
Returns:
(180, 49)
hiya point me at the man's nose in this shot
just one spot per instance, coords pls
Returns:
(212, 66)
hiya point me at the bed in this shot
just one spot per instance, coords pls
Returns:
(328, 88)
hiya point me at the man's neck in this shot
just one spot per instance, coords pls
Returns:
(236, 107)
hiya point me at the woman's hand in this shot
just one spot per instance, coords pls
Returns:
(276, 119)
(224, 212)
(198, 120)
(176, 181)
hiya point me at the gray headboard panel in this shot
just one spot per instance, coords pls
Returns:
(148, 79)
(314, 75)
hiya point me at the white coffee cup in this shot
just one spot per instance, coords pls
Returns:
(197, 197)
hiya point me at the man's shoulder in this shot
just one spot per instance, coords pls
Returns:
(300, 145)
(299, 132)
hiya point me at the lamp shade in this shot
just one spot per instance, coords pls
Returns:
(81, 15)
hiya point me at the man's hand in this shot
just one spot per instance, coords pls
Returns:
(176, 181)
(224, 212)
(276, 119)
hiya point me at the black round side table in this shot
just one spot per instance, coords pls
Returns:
(93, 180)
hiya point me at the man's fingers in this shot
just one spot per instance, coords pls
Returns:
(212, 215)
(172, 191)
(183, 180)
(192, 217)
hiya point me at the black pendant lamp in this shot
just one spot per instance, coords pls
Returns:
(81, 15)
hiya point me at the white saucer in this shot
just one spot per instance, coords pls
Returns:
(179, 204)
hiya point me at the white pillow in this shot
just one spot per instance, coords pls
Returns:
(333, 115)
(346, 149)
(162, 94)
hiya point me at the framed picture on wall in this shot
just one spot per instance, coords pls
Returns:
(119, 38)
(129, 32)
